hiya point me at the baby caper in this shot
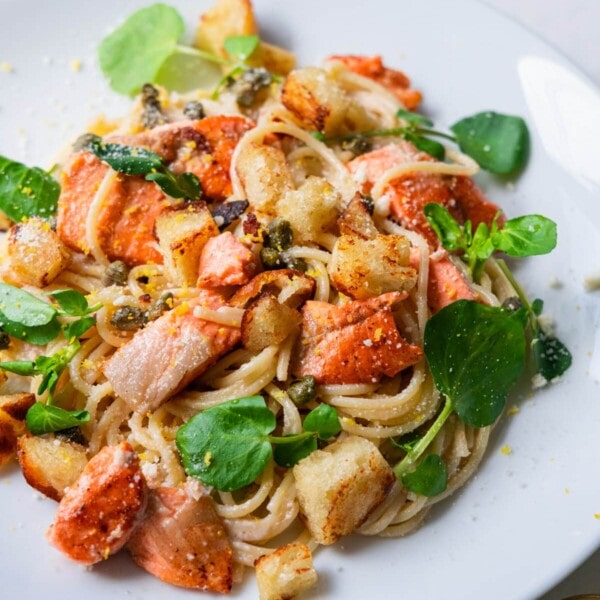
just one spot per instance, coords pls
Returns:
(280, 235)
(270, 258)
(128, 318)
(194, 110)
(303, 390)
(116, 273)
(162, 304)
(292, 262)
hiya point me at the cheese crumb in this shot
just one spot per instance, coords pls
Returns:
(597, 516)
(506, 450)
(513, 410)
(75, 65)
(6, 67)
(592, 282)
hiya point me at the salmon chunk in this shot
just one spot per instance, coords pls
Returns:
(395, 81)
(98, 513)
(182, 541)
(172, 351)
(446, 284)
(357, 342)
(226, 261)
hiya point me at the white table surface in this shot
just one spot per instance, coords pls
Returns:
(573, 28)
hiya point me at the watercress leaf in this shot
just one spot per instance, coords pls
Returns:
(475, 353)
(185, 69)
(49, 381)
(26, 192)
(432, 147)
(287, 455)
(23, 308)
(526, 236)
(126, 159)
(71, 302)
(241, 46)
(39, 336)
(132, 54)
(20, 367)
(77, 328)
(167, 183)
(551, 357)
(190, 184)
(429, 478)
(445, 226)
(43, 418)
(499, 143)
(323, 421)
(414, 118)
(226, 446)
(537, 306)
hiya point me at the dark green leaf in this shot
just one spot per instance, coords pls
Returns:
(475, 353)
(20, 367)
(49, 381)
(323, 421)
(43, 418)
(241, 46)
(537, 306)
(550, 356)
(432, 147)
(21, 307)
(526, 236)
(449, 232)
(287, 455)
(77, 328)
(126, 159)
(226, 446)
(133, 54)
(414, 118)
(71, 302)
(26, 192)
(499, 143)
(190, 185)
(39, 336)
(429, 478)
(185, 185)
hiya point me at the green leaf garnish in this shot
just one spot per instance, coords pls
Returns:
(73, 303)
(241, 47)
(414, 118)
(188, 69)
(526, 236)
(44, 418)
(26, 192)
(323, 421)
(499, 143)
(429, 478)
(22, 307)
(287, 455)
(77, 328)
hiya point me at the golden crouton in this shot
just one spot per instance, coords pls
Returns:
(357, 220)
(36, 255)
(312, 209)
(182, 233)
(285, 572)
(364, 269)
(273, 58)
(17, 405)
(339, 486)
(265, 175)
(10, 430)
(266, 322)
(49, 464)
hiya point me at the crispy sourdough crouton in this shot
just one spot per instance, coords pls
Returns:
(10, 430)
(273, 58)
(265, 175)
(49, 464)
(364, 269)
(312, 209)
(182, 233)
(98, 513)
(17, 405)
(266, 322)
(225, 19)
(285, 572)
(357, 220)
(35, 253)
(5, 222)
(291, 288)
(316, 99)
(340, 485)
(182, 540)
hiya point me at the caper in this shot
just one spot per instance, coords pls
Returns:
(84, 141)
(292, 262)
(128, 318)
(71, 434)
(270, 258)
(4, 340)
(249, 84)
(513, 303)
(279, 235)
(152, 112)
(368, 203)
(162, 304)
(303, 390)
(357, 145)
(116, 273)
(194, 110)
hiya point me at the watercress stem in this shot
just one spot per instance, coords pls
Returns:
(522, 296)
(290, 439)
(425, 131)
(408, 462)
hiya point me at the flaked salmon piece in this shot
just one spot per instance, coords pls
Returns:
(183, 541)
(164, 357)
(373, 68)
(225, 261)
(98, 513)
(411, 192)
(357, 342)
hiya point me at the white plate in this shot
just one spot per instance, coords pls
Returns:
(526, 519)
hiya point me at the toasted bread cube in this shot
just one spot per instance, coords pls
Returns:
(285, 572)
(312, 209)
(265, 176)
(224, 19)
(340, 485)
(182, 233)
(5, 222)
(10, 430)
(273, 58)
(35, 253)
(364, 269)
(49, 464)
(357, 220)
(266, 322)
(17, 405)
